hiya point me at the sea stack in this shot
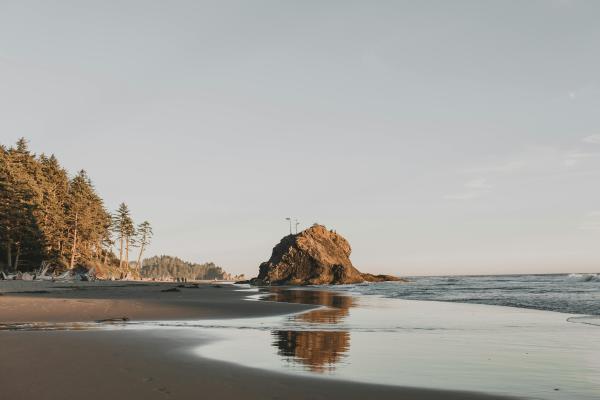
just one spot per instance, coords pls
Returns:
(315, 256)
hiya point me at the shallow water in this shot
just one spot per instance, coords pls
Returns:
(446, 345)
(502, 350)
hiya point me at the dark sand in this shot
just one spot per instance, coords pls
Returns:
(148, 364)
(88, 302)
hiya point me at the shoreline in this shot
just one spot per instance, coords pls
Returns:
(154, 363)
(137, 301)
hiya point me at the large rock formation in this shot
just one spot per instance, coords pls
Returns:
(315, 256)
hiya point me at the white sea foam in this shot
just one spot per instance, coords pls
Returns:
(585, 277)
(586, 319)
(576, 293)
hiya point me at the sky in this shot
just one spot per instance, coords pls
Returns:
(438, 137)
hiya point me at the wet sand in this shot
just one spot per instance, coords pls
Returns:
(148, 363)
(23, 301)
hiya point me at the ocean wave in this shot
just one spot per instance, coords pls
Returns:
(575, 293)
(587, 319)
(585, 277)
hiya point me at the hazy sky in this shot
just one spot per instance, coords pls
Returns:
(439, 137)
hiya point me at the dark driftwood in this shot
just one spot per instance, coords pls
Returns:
(121, 319)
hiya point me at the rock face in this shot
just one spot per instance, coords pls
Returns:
(315, 256)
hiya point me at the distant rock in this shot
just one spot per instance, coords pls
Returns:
(315, 256)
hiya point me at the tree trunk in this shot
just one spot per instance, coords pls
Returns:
(121, 253)
(9, 253)
(17, 257)
(74, 247)
(105, 256)
(139, 263)
(127, 251)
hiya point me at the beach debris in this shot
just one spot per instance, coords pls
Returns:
(43, 274)
(26, 276)
(64, 276)
(119, 319)
(192, 286)
(173, 289)
(128, 277)
(11, 277)
(33, 292)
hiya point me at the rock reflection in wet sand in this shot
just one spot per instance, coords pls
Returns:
(318, 350)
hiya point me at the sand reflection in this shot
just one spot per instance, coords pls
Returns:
(318, 350)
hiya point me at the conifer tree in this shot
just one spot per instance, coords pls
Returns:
(19, 206)
(144, 232)
(79, 209)
(45, 216)
(124, 229)
(55, 197)
(165, 267)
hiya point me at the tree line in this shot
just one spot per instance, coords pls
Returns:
(164, 267)
(45, 215)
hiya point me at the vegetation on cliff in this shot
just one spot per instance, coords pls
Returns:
(167, 267)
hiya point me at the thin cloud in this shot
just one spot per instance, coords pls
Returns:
(593, 139)
(539, 161)
(463, 196)
(480, 183)
(476, 188)
(501, 168)
(590, 226)
(591, 222)
(574, 158)
(533, 162)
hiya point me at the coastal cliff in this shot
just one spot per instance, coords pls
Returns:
(315, 256)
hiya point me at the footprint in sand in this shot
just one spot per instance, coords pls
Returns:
(164, 391)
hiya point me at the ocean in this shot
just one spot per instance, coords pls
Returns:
(567, 293)
(492, 334)
(393, 334)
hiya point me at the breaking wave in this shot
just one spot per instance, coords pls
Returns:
(585, 277)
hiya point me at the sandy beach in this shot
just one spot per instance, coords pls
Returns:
(91, 301)
(298, 200)
(148, 363)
